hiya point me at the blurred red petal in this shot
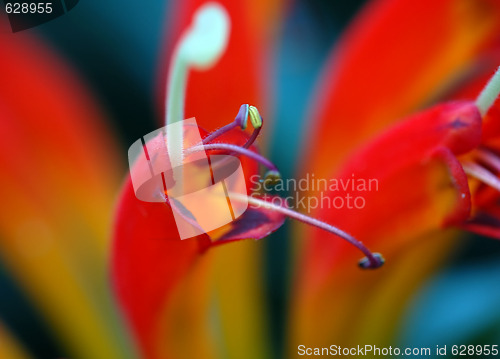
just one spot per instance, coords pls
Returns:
(60, 170)
(149, 260)
(394, 59)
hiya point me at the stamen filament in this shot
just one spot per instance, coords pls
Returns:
(482, 174)
(489, 94)
(219, 132)
(489, 158)
(372, 260)
(257, 122)
(234, 148)
(240, 120)
(228, 128)
(252, 138)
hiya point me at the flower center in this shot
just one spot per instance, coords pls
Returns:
(200, 47)
(371, 260)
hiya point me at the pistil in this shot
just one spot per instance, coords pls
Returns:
(199, 47)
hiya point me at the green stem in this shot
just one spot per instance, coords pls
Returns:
(489, 94)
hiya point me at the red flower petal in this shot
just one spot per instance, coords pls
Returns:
(388, 64)
(420, 187)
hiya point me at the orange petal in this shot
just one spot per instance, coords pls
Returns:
(59, 172)
(332, 296)
(359, 307)
(403, 186)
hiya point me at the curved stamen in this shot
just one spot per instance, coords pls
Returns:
(234, 148)
(482, 174)
(217, 133)
(252, 138)
(371, 261)
(241, 120)
(257, 122)
(488, 158)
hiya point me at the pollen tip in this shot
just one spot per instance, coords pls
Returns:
(366, 263)
(242, 116)
(272, 177)
(255, 117)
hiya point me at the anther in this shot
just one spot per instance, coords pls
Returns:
(375, 262)
(246, 111)
(371, 260)
(271, 178)
(255, 117)
(242, 116)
